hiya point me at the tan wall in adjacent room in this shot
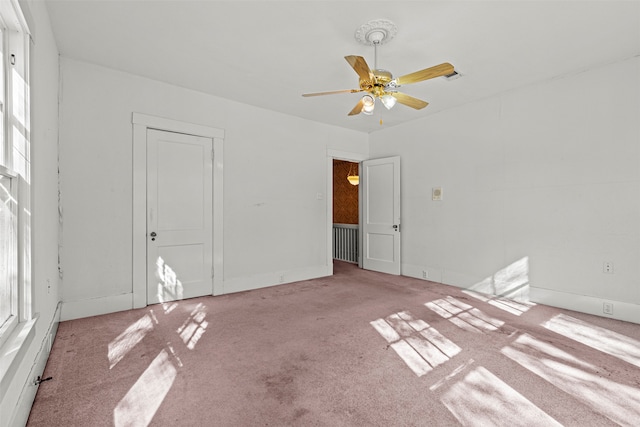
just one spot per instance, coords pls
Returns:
(345, 195)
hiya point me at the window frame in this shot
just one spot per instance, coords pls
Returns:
(10, 324)
(15, 161)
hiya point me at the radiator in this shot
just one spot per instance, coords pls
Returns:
(345, 242)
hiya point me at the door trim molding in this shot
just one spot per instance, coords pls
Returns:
(142, 122)
(170, 125)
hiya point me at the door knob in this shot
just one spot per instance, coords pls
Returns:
(153, 236)
(395, 227)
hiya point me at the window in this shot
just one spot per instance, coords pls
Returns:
(8, 255)
(3, 49)
(15, 170)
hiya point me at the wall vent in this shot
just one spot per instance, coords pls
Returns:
(452, 76)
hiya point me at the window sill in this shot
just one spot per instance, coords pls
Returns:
(13, 351)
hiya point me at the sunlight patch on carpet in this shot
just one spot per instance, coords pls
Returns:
(618, 402)
(411, 357)
(482, 399)
(194, 327)
(604, 340)
(516, 308)
(451, 375)
(123, 343)
(420, 346)
(463, 315)
(143, 399)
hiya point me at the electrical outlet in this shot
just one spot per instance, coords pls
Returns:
(607, 308)
(607, 267)
(425, 274)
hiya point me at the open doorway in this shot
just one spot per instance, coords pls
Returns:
(345, 228)
(379, 216)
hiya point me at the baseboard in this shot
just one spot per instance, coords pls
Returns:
(585, 304)
(241, 284)
(96, 306)
(29, 390)
(421, 272)
(625, 311)
(111, 304)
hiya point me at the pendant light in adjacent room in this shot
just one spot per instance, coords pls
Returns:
(352, 177)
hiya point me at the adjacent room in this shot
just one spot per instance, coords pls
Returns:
(319, 213)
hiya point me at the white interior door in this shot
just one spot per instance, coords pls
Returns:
(179, 216)
(381, 215)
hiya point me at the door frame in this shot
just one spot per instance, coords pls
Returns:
(141, 123)
(350, 157)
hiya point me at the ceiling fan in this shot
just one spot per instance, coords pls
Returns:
(379, 83)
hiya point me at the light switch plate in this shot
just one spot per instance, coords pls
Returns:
(436, 193)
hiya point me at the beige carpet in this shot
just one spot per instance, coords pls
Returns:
(356, 349)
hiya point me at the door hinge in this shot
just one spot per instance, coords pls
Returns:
(213, 154)
(212, 272)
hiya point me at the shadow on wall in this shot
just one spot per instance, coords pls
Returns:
(169, 287)
(507, 289)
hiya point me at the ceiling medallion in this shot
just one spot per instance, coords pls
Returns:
(377, 31)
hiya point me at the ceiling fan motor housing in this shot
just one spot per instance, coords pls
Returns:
(382, 79)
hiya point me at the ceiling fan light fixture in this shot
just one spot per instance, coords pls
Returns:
(368, 104)
(388, 101)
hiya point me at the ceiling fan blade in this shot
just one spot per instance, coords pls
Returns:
(357, 109)
(426, 74)
(409, 101)
(360, 66)
(332, 92)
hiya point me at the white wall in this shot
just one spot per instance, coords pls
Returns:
(548, 175)
(274, 166)
(16, 404)
(44, 160)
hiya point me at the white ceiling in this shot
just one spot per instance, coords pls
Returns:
(267, 53)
